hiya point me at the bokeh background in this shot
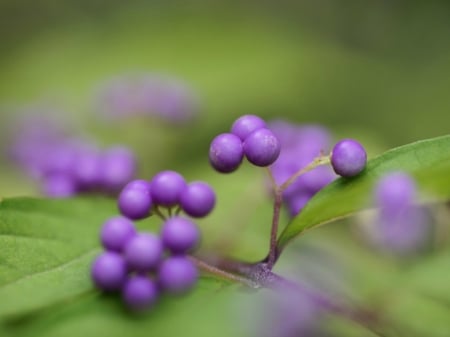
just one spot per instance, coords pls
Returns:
(378, 71)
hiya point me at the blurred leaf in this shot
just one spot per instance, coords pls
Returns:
(428, 160)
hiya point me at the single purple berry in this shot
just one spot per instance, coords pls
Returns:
(348, 158)
(139, 293)
(197, 199)
(109, 271)
(135, 201)
(177, 275)
(261, 147)
(166, 188)
(116, 232)
(245, 125)
(59, 186)
(226, 152)
(118, 167)
(143, 252)
(180, 235)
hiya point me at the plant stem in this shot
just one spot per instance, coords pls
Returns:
(222, 273)
(321, 160)
(278, 201)
(260, 276)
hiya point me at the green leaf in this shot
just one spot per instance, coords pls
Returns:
(427, 160)
(47, 249)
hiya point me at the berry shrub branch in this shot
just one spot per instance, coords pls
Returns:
(278, 201)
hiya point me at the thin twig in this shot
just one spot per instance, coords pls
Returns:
(222, 273)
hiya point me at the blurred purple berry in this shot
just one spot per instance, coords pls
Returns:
(395, 191)
(118, 167)
(180, 235)
(59, 186)
(143, 252)
(88, 168)
(400, 227)
(109, 271)
(139, 293)
(297, 202)
(116, 232)
(177, 275)
(197, 199)
(166, 188)
(261, 147)
(226, 152)
(245, 125)
(300, 144)
(348, 158)
(135, 201)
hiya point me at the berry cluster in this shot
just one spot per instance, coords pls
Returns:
(148, 95)
(65, 166)
(143, 265)
(249, 137)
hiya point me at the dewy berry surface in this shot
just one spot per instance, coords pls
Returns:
(109, 271)
(348, 158)
(135, 201)
(226, 152)
(177, 275)
(262, 147)
(197, 199)
(143, 252)
(180, 235)
(166, 188)
(116, 232)
(139, 292)
(246, 124)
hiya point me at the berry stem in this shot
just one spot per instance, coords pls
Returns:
(321, 160)
(158, 212)
(273, 183)
(278, 201)
(222, 273)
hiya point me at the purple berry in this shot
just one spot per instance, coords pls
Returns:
(226, 152)
(197, 199)
(246, 124)
(143, 252)
(139, 293)
(177, 275)
(166, 188)
(348, 158)
(261, 147)
(118, 167)
(180, 235)
(135, 201)
(109, 271)
(59, 186)
(116, 232)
